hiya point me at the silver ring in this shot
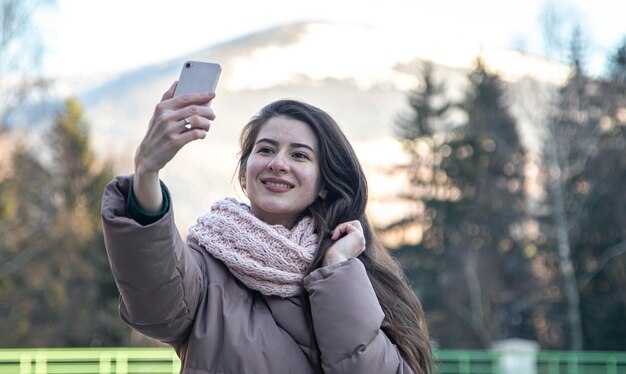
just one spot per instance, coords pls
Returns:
(187, 124)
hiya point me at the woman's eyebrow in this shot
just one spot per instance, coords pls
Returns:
(293, 145)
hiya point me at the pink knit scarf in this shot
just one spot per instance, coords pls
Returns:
(269, 259)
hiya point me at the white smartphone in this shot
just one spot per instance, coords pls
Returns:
(198, 76)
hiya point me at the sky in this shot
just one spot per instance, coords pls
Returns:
(88, 36)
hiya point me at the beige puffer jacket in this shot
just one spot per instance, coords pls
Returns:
(181, 295)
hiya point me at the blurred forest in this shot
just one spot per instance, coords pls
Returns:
(515, 242)
(520, 243)
(55, 284)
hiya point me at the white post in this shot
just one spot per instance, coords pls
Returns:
(517, 356)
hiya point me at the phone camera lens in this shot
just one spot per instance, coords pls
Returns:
(188, 65)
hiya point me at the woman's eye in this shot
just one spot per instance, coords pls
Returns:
(265, 150)
(301, 155)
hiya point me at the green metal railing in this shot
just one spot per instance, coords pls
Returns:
(543, 362)
(164, 360)
(581, 363)
(89, 361)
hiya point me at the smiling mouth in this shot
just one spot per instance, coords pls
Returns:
(277, 185)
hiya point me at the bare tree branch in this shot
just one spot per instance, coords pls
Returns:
(23, 257)
(603, 260)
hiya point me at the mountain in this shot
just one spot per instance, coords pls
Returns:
(359, 74)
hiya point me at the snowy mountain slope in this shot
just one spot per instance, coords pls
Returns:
(358, 74)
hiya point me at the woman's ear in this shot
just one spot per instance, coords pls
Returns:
(323, 193)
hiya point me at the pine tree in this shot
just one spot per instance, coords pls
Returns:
(26, 222)
(62, 294)
(79, 182)
(485, 163)
(420, 131)
(473, 203)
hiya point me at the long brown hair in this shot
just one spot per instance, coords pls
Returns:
(346, 199)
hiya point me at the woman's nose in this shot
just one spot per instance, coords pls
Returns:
(278, 163)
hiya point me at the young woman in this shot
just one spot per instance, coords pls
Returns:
(293, 283)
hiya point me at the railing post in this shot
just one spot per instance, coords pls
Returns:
(496, 366)
(25, 363)
(41, 363)
(104, 363)
(572, 363)
(121, 363)
(554, 365)
(464, 364)
(611, 365)
(517, 356)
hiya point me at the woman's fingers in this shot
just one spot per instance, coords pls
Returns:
(170, 92)
(188, 99)
(176, 121)
(349, 241)
(196, 117)
(346, 228)
(350, 236)
(188, 136)
(195, 114)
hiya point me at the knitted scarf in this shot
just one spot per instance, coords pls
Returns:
(266, 258)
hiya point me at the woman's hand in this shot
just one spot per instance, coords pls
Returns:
(166, 135)
(349, 242)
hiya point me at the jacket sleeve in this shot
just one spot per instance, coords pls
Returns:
(347, 320)
(159, 277)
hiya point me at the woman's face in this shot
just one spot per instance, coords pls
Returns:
(282, 172)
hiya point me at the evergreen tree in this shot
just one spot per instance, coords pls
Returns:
(26, 222)
(474, 205)
(428, 106)
(55, 284)
(485, 162)
(421, 133)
